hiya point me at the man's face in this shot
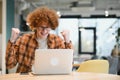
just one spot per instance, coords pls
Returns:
(43, 31)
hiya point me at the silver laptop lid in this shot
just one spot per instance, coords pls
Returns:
(53, 61)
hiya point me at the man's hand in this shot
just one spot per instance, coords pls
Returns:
(66, 35)
(14, 34)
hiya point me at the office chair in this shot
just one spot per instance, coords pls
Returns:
(97, 66)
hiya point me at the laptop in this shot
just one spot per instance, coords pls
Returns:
(53, 61)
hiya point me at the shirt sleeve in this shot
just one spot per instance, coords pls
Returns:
(62, 44)
(11, 54)
(68, 45)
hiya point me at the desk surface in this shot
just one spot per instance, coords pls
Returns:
(72, 76)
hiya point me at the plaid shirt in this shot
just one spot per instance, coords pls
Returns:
(23, 50)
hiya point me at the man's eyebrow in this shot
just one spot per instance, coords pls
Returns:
(45, 26)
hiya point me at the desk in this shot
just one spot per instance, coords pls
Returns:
(72, 76)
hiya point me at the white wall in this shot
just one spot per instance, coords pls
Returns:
(0, 16)
(0, 51)
(70, 24)
(3, 35)
(0, 35)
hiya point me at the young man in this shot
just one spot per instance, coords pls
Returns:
(22, 50)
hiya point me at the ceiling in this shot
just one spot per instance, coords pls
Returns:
(74, 7)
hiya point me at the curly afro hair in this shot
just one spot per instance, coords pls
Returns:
(42, 15)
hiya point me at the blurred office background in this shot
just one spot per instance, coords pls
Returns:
(94, 24)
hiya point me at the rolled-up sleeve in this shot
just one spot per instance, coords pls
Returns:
(11, 55)
(62, 44)
(68, 45)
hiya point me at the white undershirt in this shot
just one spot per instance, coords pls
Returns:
(42, 43)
